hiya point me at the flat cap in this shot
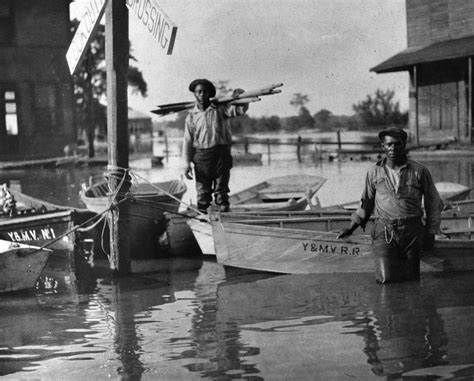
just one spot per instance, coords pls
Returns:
(394, 132)
(204, 82)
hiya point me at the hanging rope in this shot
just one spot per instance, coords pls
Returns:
(158, 188)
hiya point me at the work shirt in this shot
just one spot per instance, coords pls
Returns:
(415, 187)
(208, 128)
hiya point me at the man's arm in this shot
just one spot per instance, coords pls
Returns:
(188, 148)
(363, 213)
(232, 111)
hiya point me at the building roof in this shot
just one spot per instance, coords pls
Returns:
(438, 51)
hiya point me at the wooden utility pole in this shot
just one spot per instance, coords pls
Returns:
(116, 57)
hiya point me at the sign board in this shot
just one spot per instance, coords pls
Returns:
(156, 22)
(93, 12)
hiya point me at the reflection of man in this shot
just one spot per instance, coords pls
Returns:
(394, 189)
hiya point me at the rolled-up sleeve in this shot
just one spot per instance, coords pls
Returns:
(233, 111)
(433, 203)
(367, 202)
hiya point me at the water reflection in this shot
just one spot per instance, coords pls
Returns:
(204, 322)
(402, 327)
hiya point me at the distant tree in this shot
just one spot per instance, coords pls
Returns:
(322, 116)
(305, 120)
(90, 85)
(222, 88)
(299, 100)
(380, 109)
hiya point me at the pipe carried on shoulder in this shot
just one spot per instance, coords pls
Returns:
(245, 97)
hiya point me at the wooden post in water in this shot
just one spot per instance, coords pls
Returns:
(298, 149)
(116, 53)
(339, 143)
(268, 149)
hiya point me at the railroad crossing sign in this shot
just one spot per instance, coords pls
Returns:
(93, 12)
(153, 18)
(156, 22)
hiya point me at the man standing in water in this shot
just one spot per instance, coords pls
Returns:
(207, 142)
(394, 189)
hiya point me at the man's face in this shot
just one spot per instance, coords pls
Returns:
(202, 94)
(394, 147)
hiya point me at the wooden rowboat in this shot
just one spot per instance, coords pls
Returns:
(202, 229)
(37, 222)
(148, 203)
(290, 192)
(20, 265)
(453, 224)
(96, 195)
(452, 191)
(282, 193)
(310, 245)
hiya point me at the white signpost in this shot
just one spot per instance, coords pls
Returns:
(156, 22)
(93, 12)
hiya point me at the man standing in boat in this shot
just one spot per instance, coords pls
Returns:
(394, 190)
(207, 144)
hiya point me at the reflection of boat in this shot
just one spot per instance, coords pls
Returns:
(452, 191)
(20, 265)
(148, 203)
(310, 245)
(284, 193)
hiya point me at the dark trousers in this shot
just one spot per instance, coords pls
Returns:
(212, 170)
(396, 247)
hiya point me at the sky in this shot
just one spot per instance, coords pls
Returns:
(320, 48)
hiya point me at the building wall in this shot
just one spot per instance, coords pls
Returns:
(429, 21)
(33, 63)
(442, 102)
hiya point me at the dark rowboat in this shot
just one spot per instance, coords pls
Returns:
(40, 223)
(148, 203)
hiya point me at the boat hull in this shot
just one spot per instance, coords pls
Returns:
(20, 267)
(52, 229)
(146, 210)
(300, 247)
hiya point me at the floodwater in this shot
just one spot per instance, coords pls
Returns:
(196, 320)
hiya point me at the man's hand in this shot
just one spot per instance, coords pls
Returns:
(237, 92)
(347, 232)
(188, 172)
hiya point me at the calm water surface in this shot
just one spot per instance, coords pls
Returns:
(194, 320)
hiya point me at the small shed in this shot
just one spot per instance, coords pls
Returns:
(438, 58)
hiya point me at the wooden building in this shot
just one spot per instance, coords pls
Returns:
(439, 55)
(36, 94)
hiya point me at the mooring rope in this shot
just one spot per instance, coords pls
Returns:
(137, 176)
(75, 228)
(128, 174)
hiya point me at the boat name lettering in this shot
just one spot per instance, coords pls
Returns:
(32, 235)
(331, 249)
